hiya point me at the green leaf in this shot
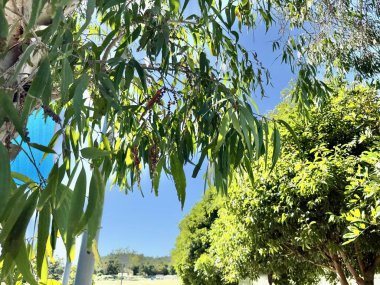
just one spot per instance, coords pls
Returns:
(179, 177)
(80, 87)
(36, 11)
(93, 153)
(3, 28)
(43, 234)
(184, 6)
(203, 62)
(140, 72)
(23, 264)
(199, 164)
(42, 84)
(42, 148)
(50, 189)
(174, 6)
(95, 206)
(52, 142)
(157, 176)
(11, 112)
(5, 176)
(89, 11)
(223, 130)
(23, 59)
(291, 131)
(67, 79)
(276, 146)
(76, 210)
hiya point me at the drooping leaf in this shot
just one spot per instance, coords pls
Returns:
(223, 130)
(80, 87)
(203, 62)
(179, 177)
(43, 234)
(23, 264)
(36, 10)
(89, 11)
(42, 84)
(290, 130)
(67, 79)
(140, 72)
(76, 211)
(50, 189)
(276, 146)
(95, 204)
(5, 177)
(3, 29)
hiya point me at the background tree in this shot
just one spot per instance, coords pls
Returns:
(316, 213)
(190, 256)
(308, 207)
(113, 267)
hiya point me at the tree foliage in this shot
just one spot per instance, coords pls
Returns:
(138, 263)
(190, 256)
(147, 85)
(316, 213)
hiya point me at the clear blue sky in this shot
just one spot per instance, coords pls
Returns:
(150, 225)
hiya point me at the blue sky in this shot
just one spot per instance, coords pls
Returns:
(149, 224)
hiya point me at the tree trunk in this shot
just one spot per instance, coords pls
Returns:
(270, 278)
(369, 277)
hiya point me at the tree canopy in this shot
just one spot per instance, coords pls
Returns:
(316, 213)
(138, 85)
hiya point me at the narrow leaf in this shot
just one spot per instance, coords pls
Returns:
(42, 148)
(93, 153)
(76, 210)
(179, 178)
(42, 84)
(43, 234)
(276, 146)
(5, 177)
(140, 72)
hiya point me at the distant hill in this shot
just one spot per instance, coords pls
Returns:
(127, 260)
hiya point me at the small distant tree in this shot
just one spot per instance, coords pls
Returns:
(113, 267)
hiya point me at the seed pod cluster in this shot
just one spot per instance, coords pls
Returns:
(154, 153)
(136, 162)
(49, 112)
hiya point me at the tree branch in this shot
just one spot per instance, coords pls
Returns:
(350, 268)
(339, 270)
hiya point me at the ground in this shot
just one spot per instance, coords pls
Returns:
(139, 282)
